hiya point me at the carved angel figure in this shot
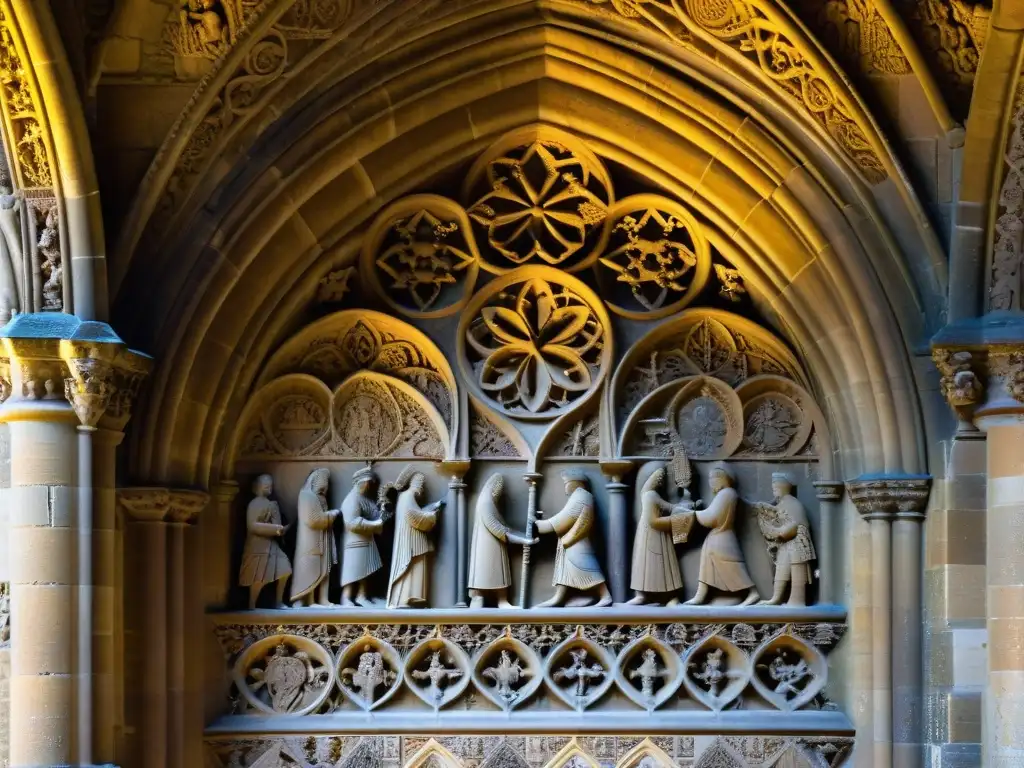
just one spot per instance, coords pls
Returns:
(659, 525)
(785, 527)
(488, 562)
(576, 565)
(721, 559)
(263, 560)
(360, 556)
(410, 576)
(202, 28)
(316, 551)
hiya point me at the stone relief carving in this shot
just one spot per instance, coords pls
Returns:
(707, 667)
(489, 571)
(656, 249)
(12, 260)
(422, 256)
(28, 148)
(1005, 276)
(207, 28)
(263, 560)
(409, 583)
(361, 521)
(535, 343)
(335, 286)
(762, 34)
(582, 440)
(316, 550)
(721, 560)
(786, 530)
(660, 526)
(857, 34)
(538, 169)
(535, 751)
(5, 613)
(953, 32)
(486, 441)
(576, 565)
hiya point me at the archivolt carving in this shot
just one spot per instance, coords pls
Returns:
(351, 340)
(857, 34)
(1008, 249)
(369, 416)
(422, 256)
(538, 195)
(24, 125)
(710, 342)
(758, 31)
(535, 343)
(654, 248)
(954, 32)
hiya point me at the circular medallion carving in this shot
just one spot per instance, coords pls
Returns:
(367, 418)
(538, 196)
(707, 417)
(654, 258)
(535, 343)
(285, 674)
(421, 256)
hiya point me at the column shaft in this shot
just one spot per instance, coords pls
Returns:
(907, 633)
(462, 575)
(618, 541)
(177, 629)
(1004, 695)
(881, 668)
(152, 645)
(44, 599)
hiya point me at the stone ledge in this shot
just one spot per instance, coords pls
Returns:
(815, 723)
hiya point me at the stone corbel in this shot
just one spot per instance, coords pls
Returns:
(886, 496)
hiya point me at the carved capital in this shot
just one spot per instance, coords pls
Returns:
(455, 469)
(89, 388)
(960, 383)
(147, 505)
(615, 470)
(829, 490)
(185, 505)
(888, 496)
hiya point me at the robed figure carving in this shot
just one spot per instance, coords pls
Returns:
(576, 565)
(488, 561)
(263, 560)
(785, 527)
(360, 557)
(316, 551)
(721, 559)
(660, 525)
(410, 575)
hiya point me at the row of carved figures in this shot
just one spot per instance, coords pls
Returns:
(655, 576)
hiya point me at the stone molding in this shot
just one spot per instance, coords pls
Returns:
(889, 496)
(829, 490)
(163, 505)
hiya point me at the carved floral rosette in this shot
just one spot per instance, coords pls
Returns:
(323, 668)
(534, 343)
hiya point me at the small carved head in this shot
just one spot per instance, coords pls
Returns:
(418, 484)
(720, 478)
(495, 484)
(263, 485)
(782, 485)
(318, 480)
(573, 479)
(364, 480)
(656, 480)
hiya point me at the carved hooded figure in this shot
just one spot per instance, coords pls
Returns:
(488, 559)
(316, 551)
(410, 577)
(655, 565)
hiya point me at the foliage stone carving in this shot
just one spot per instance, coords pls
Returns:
(535, 343)
(539, 196)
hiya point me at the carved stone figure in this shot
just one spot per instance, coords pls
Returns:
(263, 560)
(649, 673)
(370, 674)
(52, 265)
(579, 673)
(438, 674)
(360, 557)
(576, 565)
(316, 551)
(409, 574)
(506, 675)
(12, 257)
(655, 566)
(784, 525)
(721, 559)
(202, 28)
(488, 563)
(291, 678)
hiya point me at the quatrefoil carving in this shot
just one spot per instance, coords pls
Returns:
(648, 672)
(715, 672)
(579, 671)
(285, 674)
(507, 672)
(369, 672)
(437, 671)
(788, 672)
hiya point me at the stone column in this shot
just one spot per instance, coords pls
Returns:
(217, 546)
(457, 536)
(830, 494)
(184, 509)
(64, 374)
(146, 623)
(617, 535)
(897, 663)
(982, 368)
